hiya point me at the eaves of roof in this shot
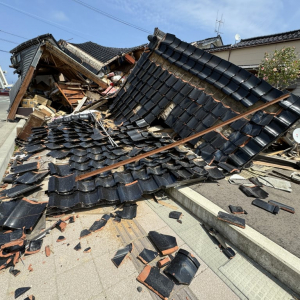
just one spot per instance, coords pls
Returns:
(102, 53)
(34, 41)
(261, 40)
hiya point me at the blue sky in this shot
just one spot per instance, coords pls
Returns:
(190, 20)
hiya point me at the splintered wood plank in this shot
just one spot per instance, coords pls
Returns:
(66, 91)
(66, 98)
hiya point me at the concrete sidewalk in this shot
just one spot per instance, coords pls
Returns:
(68, 274)
(267, 254)
(283, 228)
(8, 133)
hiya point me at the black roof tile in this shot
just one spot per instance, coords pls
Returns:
(102, 53)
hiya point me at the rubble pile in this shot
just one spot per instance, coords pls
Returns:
(164, 126)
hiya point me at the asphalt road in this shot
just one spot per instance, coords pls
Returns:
(4, 104)
(282, 229)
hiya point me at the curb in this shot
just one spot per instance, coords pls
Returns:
(7, 148)
(279, 262)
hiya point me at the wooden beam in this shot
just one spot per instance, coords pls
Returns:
(81, 102)
(178, 143)
(73, 64)
(66, 98)
(20, 95)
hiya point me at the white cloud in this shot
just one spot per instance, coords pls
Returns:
(249, 18)
(60, 16)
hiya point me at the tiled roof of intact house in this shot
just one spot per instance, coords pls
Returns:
(102, 53)
(262, 40)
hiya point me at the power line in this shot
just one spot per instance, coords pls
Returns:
(41, 19)
(4, 51)
(9, 41)
(14, 35)
(110, 16)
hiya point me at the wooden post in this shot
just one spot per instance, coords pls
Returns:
(20, 95)
(178, 143)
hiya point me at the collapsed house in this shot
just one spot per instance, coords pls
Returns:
(174, 91)
(55, 78)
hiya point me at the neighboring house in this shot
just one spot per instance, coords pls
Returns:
(248, 53)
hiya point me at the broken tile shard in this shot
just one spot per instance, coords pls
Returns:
(166, 244)
(77, 247)
(60, 238)
(47, 251)
(128, 212)
(120, 255)
(234, 220)
(87, 250)
(146, 256)
(21, 291)
(156, 282)
(183, 267)
(84, 233)
(175, 215)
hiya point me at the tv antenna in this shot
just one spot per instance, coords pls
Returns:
(219, 24)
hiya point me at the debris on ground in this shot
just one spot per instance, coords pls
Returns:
(87, 250)
(155, 281)
(234, 220)
(163, 262)
(183, 267)
(14, 271)
(275, 183)
(166, 244)
(274, 209)
(175, 215)
(146, 256)
(60, 238)
(77, 247)
(20, 291)
(220, 241)
(47, 251)
(282, 206)
(111, 129)
(121, 254)
(237, 210)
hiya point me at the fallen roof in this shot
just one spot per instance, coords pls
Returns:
(191, 90)
(102, 53)
(261, 40)
(187, 89)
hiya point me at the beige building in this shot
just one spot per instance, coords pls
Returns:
(248, 53)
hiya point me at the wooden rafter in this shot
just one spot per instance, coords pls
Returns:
(74, 64)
